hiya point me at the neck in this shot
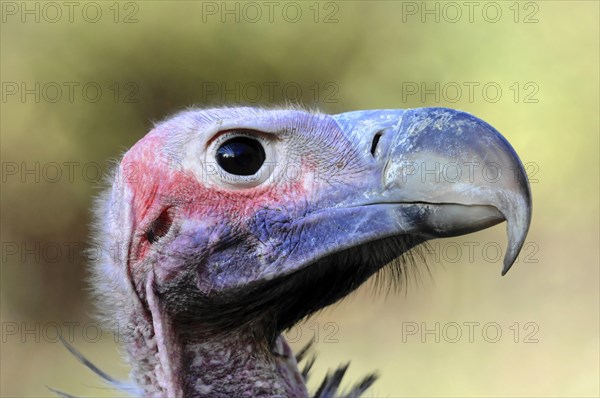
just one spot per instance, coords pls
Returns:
(196, 364)
(238, 365)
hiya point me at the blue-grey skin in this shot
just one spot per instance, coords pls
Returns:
(241, 259)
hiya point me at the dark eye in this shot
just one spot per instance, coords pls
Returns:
(242, 156)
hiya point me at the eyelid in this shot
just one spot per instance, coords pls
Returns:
(224, 135)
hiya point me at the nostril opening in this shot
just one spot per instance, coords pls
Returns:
(376, 139)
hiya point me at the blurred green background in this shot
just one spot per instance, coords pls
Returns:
(534, 69)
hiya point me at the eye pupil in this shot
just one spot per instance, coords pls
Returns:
(241, 156)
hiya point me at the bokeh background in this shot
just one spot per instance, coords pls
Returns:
(534, 69)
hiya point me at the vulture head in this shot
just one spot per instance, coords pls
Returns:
(223, 227)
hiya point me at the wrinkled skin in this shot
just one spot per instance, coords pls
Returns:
(202, 270)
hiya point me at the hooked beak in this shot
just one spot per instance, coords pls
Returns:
(448, 173)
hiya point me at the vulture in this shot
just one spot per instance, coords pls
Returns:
(224, 227)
